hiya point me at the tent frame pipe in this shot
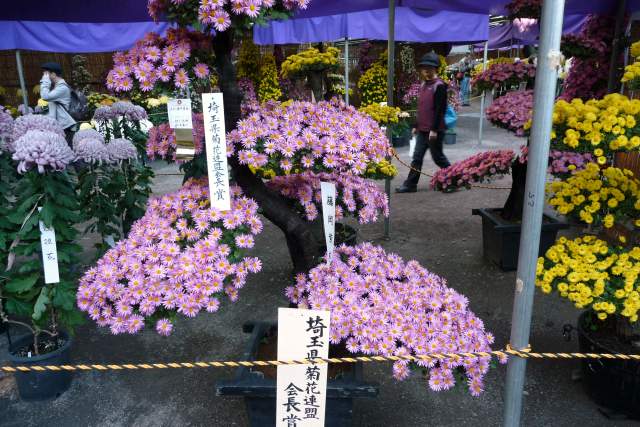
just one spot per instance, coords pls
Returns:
(615, 49)
(543, 101)
(346, 70)
(483, 98)
(391, 44)
(23, 86)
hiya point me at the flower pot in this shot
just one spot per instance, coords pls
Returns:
(259, 392)
(501, 238)
(41, 385)
(612, 384)
(401, 141)
(450, 137)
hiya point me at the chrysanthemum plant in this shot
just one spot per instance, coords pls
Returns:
(113, 180)
(45, 192)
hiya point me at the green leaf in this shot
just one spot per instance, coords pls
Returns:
(65, 296)
(18, 307)
(22, 284)
(47, 214)
(41, 304)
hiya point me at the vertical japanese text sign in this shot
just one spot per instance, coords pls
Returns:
(328, 193)
(49, 253)
(302, 389)
(216, 144)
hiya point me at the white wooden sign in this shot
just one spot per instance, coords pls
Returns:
(49, 253)
(302, 389)
(179, 111)
(328, 195)
(216, 145)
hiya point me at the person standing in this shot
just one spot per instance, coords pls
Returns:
(465, 88)
(57, 93)
(430, 128)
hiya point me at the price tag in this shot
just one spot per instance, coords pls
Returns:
(328, 194)
(216, 145)
(179, 111)
(49, 253)
(302, 389)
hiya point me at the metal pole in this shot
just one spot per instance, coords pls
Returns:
(482, 99)
(391, 45)
(23, 86)
(543, 101)
(346, 70)
(627, 33)
(615, 49)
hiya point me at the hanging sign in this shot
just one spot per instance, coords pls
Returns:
(302, 389)
(49, 253)
(179, 111)
(216, 145)
(328, 194)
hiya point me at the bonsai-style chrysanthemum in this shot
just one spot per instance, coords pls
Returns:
(23, 124)
(281, 138)
(178, 259)
(382, 305)
(478, 168)
(44, 150)
(354, 195)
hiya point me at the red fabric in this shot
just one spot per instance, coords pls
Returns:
(427, 107)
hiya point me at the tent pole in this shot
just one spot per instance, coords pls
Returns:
(543, 101)
(627, 33)
(482, 99)
(391, 44)
(346, 70)
(615, 49)
(23, 86)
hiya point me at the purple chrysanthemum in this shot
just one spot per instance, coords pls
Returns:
(121, 149)
(24, 124)
(44, 150)
(92, 150)
(87, 134)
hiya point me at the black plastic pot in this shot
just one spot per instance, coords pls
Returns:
(401, 141)
(501, 239)
(612, 384)
(42, 385)
(259, 393)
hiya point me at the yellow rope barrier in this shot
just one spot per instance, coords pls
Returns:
(525, 353)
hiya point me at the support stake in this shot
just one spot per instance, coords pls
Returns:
(391, 44)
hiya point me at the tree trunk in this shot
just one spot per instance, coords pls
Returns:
(306, 247)
(512, 210)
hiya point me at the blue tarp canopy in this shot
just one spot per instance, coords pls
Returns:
(412, 25)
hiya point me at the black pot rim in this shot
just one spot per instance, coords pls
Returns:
(490, 214)
(35, 359)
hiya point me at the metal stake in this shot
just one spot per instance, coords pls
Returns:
(482, 100)
(346, 70)
(391, 44)
(23, 86)
(543, 101)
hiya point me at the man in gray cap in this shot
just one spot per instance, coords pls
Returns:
(430, 128)
(57, 93)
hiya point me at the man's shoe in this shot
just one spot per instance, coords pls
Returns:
(405, 189)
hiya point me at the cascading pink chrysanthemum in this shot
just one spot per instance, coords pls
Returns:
(382, 305)
(180, 258)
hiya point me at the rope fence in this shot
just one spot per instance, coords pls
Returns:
(525, 353)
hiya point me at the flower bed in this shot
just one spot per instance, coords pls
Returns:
(504, 74)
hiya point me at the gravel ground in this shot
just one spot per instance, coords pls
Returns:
(436, 229)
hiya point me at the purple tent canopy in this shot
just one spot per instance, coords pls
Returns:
(75, 25)
(413, 25)
(508, 34)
